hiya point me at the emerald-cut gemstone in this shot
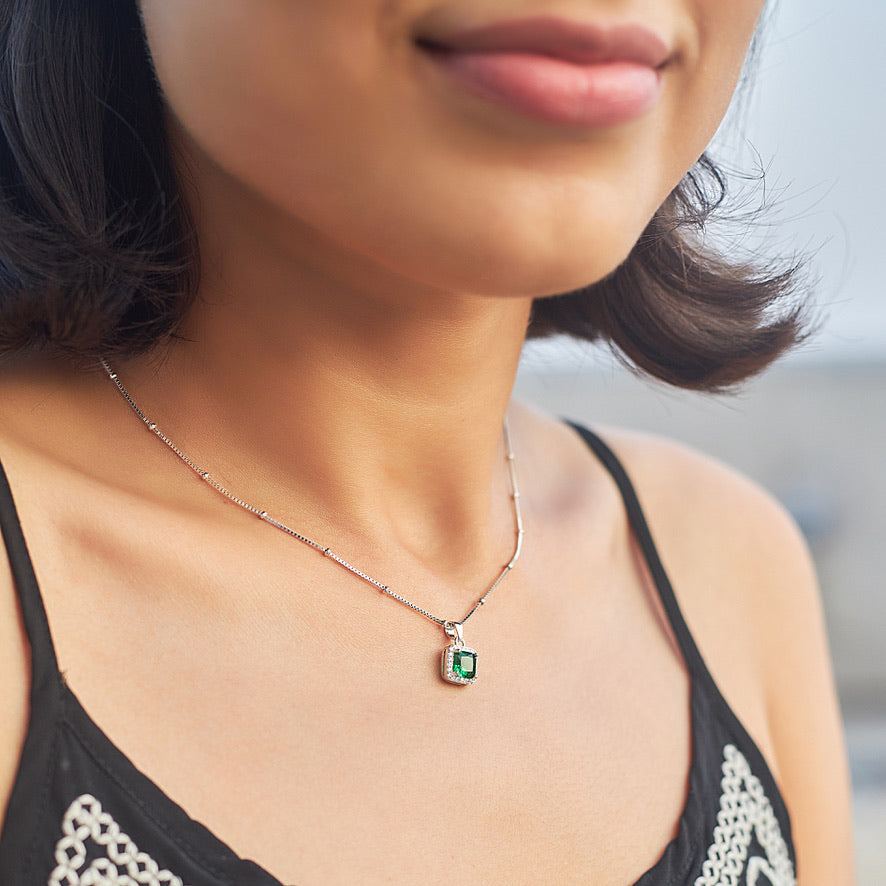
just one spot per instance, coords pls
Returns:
(459, 664)
(464, 663)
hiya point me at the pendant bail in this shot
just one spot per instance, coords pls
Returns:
(454, 632)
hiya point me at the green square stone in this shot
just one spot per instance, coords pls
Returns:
(464, 664)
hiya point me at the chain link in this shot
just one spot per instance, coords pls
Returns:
(327, 552)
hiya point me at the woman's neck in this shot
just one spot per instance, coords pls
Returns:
(326, 380)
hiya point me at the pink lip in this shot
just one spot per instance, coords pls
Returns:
(559, 71)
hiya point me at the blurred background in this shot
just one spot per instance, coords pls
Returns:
(813, 428)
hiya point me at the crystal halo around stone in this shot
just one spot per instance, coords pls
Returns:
(459, 665)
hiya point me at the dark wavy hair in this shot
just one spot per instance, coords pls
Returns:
(98, 254)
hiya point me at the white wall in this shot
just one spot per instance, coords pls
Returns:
(817, 117)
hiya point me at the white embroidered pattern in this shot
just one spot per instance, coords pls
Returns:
(86, 827)
(745, 812)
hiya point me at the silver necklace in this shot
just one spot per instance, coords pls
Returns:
(458, 662)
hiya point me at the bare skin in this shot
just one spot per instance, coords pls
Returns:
(350, 372)
(254, 674)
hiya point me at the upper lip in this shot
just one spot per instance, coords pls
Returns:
(567, 39)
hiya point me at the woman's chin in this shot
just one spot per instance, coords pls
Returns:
(503, 266)
(533, 275)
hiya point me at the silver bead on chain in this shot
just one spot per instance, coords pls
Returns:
(327, 552)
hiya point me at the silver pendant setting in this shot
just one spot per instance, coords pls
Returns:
(458, 663)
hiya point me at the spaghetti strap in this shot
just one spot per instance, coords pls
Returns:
(640, 527)
(44, 667)
(32, 788)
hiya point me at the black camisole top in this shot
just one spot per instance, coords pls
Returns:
(81, 814)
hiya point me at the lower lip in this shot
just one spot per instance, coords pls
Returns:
(556, 91)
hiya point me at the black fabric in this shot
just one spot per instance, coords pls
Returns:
(67, 757)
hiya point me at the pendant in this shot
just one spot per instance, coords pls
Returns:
(458, 662)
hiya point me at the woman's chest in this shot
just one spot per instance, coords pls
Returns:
(328, 761)
(308, 727)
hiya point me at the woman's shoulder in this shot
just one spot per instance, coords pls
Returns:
(712, 521)
(749, 592)
(746, 585)
(739, 565)
(707, 518)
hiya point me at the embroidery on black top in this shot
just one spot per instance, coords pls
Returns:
(93, 851)
(746, 824)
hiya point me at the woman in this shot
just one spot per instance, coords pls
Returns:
(383, 193)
